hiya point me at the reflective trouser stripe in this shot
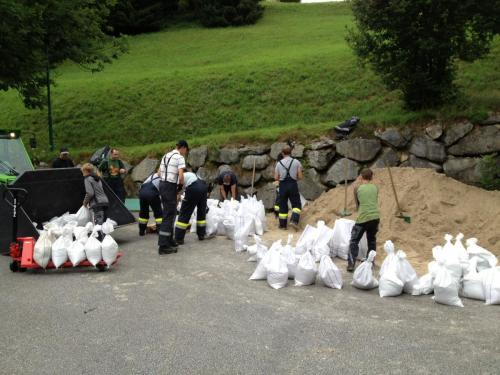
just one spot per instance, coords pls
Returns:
(276, 208)
(296, 210)
(181, 225)
(159, 220)
(201, 223)
(283, 216)
(142, 220)
(161, 233)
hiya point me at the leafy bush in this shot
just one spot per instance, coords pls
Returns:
(223, 13)
(489, 168)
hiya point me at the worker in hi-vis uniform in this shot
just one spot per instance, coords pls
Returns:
(287, 172)
(149, 195)
(172, 168)
(195, 196)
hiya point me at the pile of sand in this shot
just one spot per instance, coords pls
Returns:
(437, 205)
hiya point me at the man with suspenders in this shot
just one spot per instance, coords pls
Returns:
(149, 195)
(288, 171)
(172, 168)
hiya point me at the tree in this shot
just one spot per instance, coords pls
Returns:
(414, 44)
(139, 16)
(222, 13)
(38, 35)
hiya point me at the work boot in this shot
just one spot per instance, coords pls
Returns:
(201, 237)
(180, 241)
(172, 243)
(351, 266)
(163, 250)
(142, 231)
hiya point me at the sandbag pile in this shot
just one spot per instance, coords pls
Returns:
(73, 238)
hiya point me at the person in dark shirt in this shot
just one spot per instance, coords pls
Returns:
(63, 160)
(113, 171)
(228, 185)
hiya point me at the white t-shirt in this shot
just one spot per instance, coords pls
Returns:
(189, 178)
(170, 165)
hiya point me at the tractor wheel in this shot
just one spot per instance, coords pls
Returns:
(14, 266)
(101, 267)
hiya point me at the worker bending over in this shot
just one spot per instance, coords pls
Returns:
(172, 168)
(366, 198)
(195, 196)
(228, 184)
(149, 195)
(287, 172)
(95, 197)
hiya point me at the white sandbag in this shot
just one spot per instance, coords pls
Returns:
(260, 272)
(76, 252)
(341, 238)
(321, 245)
(329, 273)
(390, 285)
(451, 262)
(93, 249)
(424, 285)
(108, 226)
(109, 249)
(213, 220)
(306, 270)
(472, 284)
(363, 276)
(306, 240)
(390, 261)
(242, 230)
(229, 228)
(446, 287)
(60, 251)
(487, 259)
(277, 270)
(291, 260)
(491, 285)
(43, 249)
(257, 250)
(83, 216)
(406, 273)
(462, 254)
(89, 226)
(81, 234)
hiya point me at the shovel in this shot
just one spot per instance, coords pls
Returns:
(345, 212)
(400, 212)
(252, 191)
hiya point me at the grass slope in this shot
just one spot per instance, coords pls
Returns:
(291, 71)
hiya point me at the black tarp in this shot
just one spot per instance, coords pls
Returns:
(53, 192)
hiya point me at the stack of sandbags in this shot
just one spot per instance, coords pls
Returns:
(341, 237)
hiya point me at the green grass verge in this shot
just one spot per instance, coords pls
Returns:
(261, 82)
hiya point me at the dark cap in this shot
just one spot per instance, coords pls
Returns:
(64, 150)
(182, 143)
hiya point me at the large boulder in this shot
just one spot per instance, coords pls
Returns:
(359, 149)
(434, 131)
(464, 169)
(457, 131)
(276, 149)
(424, 147)
(310, 186)
(320, 159)
(394, 137)
(298, 151)
(389, 157)
(322, 144)
(268, 173)
(337, 172)
(207, 174)
(493, 118)
(267, 194)
(198, 156)
(482, 140)
(223, 168)
(228, 155)
(415, 162)
(144, 169)
(245, 178)
(261, 162)
(254, 150)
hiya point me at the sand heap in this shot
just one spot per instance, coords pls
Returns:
(437, 205)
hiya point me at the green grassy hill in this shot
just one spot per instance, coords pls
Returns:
(292, 72)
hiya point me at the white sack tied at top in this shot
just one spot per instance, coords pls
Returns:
(341, 238)
(277, 270)
(446, 286)
(322, 243)
(486, 258)
(329, 273)
(260, 272)
(306, 271)
(363, 277)
(291, 259)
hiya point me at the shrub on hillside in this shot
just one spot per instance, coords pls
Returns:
(140, 16)
(223, 13)
(489, 168)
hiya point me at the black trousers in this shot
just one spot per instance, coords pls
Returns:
(116, 184)
(168, 193)
(277, 202)
(371, 229)
(289, 190)
(149, 197)
(195, 197)
(99, 213)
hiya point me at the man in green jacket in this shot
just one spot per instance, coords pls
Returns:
(366, 198)
(113, 170)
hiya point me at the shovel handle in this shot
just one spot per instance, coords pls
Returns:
(394, 189)
(253, 174)
(345, 186)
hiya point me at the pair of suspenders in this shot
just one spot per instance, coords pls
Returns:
(288, 170)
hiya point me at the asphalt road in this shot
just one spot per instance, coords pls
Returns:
(195, 312)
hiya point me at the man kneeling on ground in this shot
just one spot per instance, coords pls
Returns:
(195, 196)
(366, 198)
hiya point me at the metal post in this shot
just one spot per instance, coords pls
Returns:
(49, 101)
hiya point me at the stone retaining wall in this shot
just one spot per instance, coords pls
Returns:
(455, 150)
